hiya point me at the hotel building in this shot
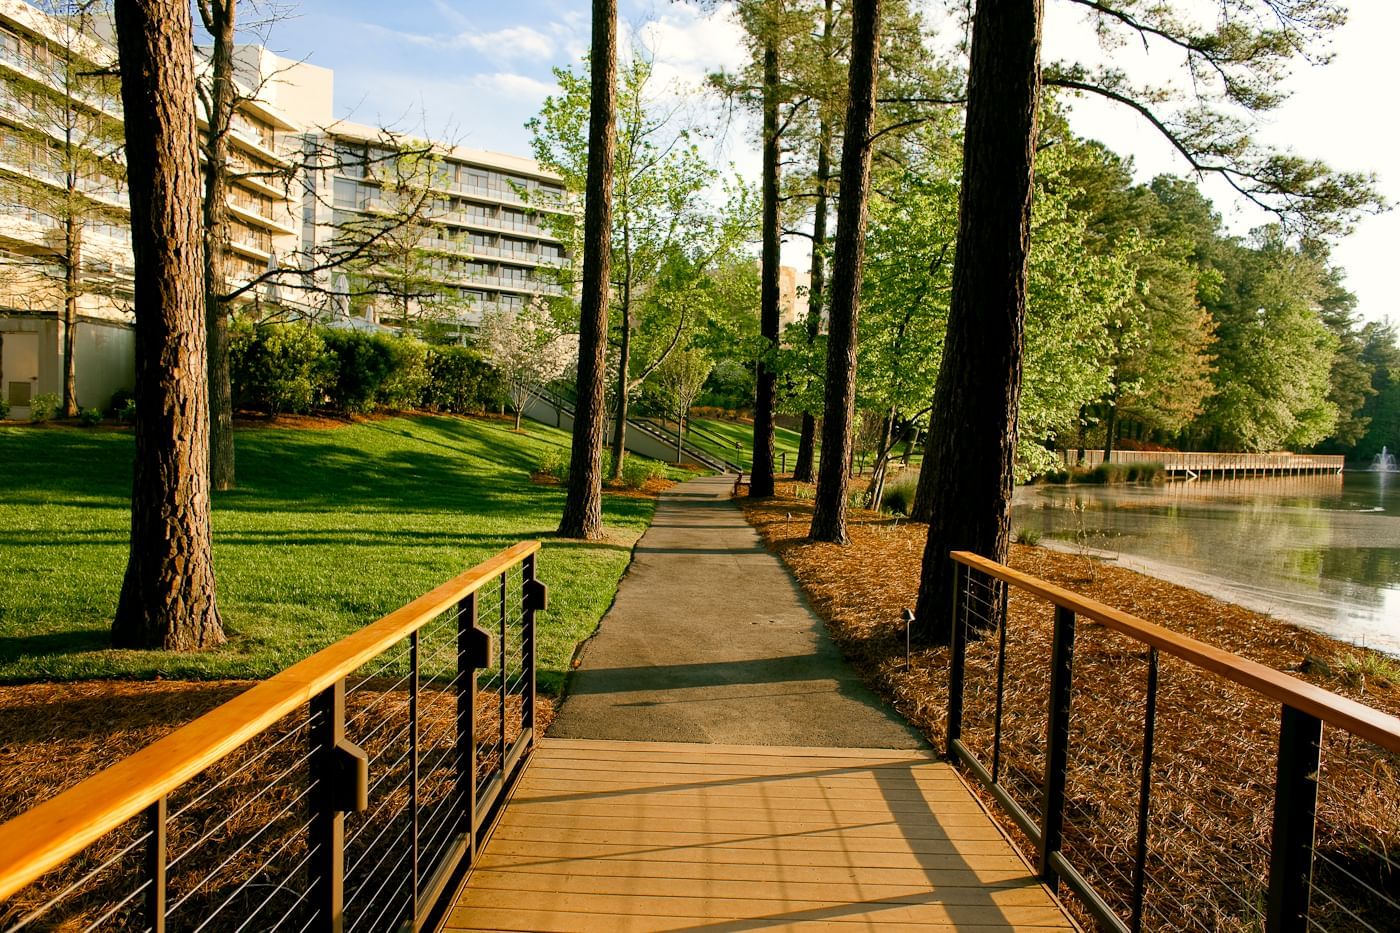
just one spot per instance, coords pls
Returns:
(300, 180)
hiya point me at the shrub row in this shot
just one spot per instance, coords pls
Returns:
(1109, 474)
(286, 368)
(636, 471)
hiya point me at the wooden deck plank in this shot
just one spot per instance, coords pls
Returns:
(766, 789)
(1017, 892)
(727, 804)
(833, 841)
(693, 751)
(685, 829)
(921, 773)
(953, 870)
(850, 858)
(638, 836)
(558, 922)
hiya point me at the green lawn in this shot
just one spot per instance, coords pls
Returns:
(717, 438)
(328, 530)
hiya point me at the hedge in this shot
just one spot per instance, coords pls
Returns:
(296, 368)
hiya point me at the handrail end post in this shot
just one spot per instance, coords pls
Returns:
(1295, 821)
(327, 864)
(957, 658)
(1057, 743)
(473, 653)
(157, 818)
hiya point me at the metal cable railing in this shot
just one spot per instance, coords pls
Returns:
(1168, 784)
(347, 793)
(704, 458)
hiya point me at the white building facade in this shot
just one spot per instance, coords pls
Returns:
(299, 180)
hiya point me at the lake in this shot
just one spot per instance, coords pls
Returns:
(1322, 552)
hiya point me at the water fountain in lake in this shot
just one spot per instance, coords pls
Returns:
(1384, 462)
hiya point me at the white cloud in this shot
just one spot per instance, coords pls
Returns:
(509, 84)
(508, 44)
(687, 43)
(512, 43)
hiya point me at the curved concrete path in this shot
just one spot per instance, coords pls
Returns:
(710, 640)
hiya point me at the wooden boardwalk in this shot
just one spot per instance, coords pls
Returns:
(641, 836)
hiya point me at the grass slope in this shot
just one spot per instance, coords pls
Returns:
(717, 438)
(328, 530)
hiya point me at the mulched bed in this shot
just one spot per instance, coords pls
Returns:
(1215, 746)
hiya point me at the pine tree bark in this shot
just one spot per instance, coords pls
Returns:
(804, 471)
(1110, 426)
(73, 253)
(848, 257)
(624, 363)
(218, 16)
(968, 475)
(583, 507)
(167, 597)
(766, 379)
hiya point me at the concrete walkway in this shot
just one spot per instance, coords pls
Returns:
(710, 640)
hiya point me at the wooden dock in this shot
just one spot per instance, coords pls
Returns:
(641, 836)
(1202, 465)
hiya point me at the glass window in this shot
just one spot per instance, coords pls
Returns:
(346, 193)
(350, 159)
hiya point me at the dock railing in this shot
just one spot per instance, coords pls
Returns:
(1169, 784)
(346, 793)
(1205, 463)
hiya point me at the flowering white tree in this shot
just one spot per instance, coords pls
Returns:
(529, 349)
(678, 380)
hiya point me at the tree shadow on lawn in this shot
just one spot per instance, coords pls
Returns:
(476, 468)
(49, 644)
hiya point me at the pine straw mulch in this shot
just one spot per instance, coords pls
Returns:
(241, 824)
(1215, 747)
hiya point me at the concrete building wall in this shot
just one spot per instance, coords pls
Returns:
(31, 362)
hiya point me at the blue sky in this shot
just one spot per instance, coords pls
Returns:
(478, 69)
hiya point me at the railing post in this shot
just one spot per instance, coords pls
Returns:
(327, 865)
(1295, 821)
(415, 828)
(536, 599)
(957, 658)
(504, 660)
(1057, 742)
(156, 850)
(472, 649)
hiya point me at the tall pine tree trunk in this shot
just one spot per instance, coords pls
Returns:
(968, 476)
(816, 289)
(219, 22)
(624, 363)
(766, 381)
(848, 256)
(1110, 427)
(167, 597)
(583, 508)
(804, 472)
(73, 253)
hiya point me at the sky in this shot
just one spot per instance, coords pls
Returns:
(473, 71)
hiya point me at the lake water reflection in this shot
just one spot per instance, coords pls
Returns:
(1320, 551)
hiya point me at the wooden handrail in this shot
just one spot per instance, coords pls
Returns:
(1357, 718)
(42, 838)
